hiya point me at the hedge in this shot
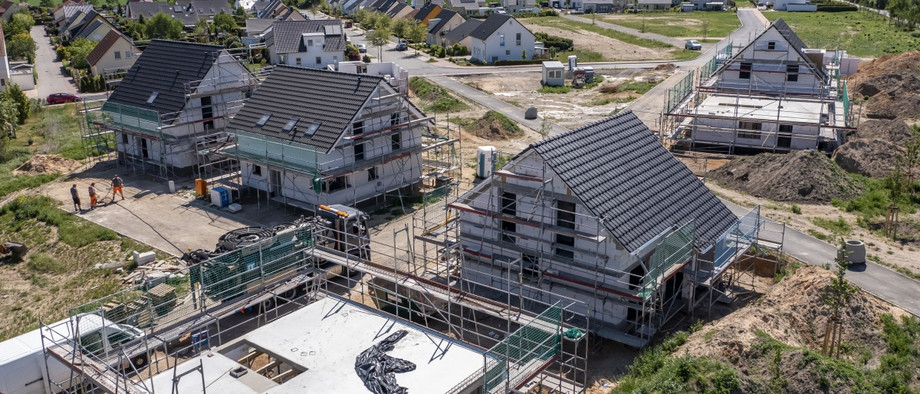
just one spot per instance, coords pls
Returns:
(837, 8)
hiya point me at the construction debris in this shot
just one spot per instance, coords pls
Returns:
(155, 272)
(145, 257)
(803, 176)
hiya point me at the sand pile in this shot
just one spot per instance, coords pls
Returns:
(802, 176)
(495, 126)
(892, 84)
(46, 164)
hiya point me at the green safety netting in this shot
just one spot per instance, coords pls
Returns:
(675, 248)
(514, 358)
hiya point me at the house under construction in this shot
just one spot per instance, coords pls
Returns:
(773, 95)
(172, 104)
(604, 215)
(312, 137)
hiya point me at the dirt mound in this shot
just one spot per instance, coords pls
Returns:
(873, 158)
(495, 126)
(665, 67)
(793, 313)
(893, 85)
(46, 164)
(896, 130)
(803, 176)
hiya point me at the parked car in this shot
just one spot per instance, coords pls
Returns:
(401, 46)
(362, 48)
(57, 98)
(693, 45)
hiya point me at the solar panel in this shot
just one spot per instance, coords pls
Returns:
(264, 119)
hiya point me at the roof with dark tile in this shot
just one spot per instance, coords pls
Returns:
(104, 45)
(396, 9)
(444, 16)
(328, 98)
(165, 67)
(462, 31)
(424, 12)
(621, 173)
(287, 36)
(489, 26)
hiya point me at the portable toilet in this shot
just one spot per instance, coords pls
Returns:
(573, 62)
(589, 74)
(220, 196)
(553, 73)
(486, 157)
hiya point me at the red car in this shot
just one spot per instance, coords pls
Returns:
(57, 98)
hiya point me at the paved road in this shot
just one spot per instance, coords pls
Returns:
(49, 68)
(633, 32)
(874, 278)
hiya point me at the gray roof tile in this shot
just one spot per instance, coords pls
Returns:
(288, 35)
(165, 67)
(489, 26)
(621, 173)
(462, 31)
(331, 99)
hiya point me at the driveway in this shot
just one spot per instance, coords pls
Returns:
(50, 70)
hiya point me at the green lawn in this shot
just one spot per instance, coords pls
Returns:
(680, 24)
(860, 34)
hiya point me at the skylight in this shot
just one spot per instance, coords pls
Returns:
(153, 96)
(263, 120)
(289, 126)
(312, 129)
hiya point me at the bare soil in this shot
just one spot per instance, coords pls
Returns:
(46, 164)
(609, 48)
(872, 149)
(574, 109)
(891, 84)
(803, 176)
(793, 313)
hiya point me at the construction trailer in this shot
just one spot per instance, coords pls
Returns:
(196, 338)
(772, 95)
(604, 215)
(170, 108)
(312, 137)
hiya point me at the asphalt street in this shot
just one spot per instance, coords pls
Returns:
(51, 78)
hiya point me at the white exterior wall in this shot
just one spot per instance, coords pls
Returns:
(603, 260)
(803, 137)
(308, 59)
(340, 160)
(127, 56)
(767, 77)
(24, 79)
(490, 50)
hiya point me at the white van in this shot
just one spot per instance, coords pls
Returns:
(22, 365)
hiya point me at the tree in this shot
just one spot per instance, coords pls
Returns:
(19, 23)
(23, 104)
(378, 39)
(77, 52)
(164, 26)
(21, 46)
(836, 297)
(46, 4)
(9, 115)
(225, 23)
(401, 27)
(417, 32)
(135, 30)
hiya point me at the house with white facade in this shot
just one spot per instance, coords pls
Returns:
(309, 137)
(64, 11)
(116, 53)
(773, 95)
(520, 6)
(501, 37)
(310, 44)
(601, 6)
(174, 103)
(441, 25)
(4, 62)
(794, 6)
(604, 215)
(654, 5)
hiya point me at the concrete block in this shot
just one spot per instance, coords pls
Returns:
(144, 258)
(234, 208)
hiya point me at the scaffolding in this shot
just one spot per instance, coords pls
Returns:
(398, 158)
(174, 145)
(725, 116)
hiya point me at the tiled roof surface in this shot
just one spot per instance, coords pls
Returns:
(462, 31)
(444, 16)
(165, 67)
(288, 35)
(103, 46)
(489, 26)
(622, 174)
(329, 98)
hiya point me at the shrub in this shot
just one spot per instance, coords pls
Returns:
(557, 43)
